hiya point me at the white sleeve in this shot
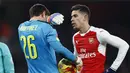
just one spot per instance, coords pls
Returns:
(75, 51)
(117, 42)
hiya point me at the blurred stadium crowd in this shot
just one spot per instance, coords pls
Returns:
(113, 16)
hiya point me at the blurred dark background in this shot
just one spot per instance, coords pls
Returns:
(112, 15)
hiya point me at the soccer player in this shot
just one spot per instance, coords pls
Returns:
(39, 41)
(6, 62)
(90, 43)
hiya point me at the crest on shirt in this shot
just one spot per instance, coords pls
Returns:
(90, 40)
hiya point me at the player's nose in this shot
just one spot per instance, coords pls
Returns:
(72, 19)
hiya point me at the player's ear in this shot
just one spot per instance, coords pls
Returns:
(85, 17)
(43, 14)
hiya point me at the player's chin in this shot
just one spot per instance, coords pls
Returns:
(75, 28)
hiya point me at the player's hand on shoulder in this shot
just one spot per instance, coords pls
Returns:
(79, 64)
(109, 70)
(56, 19)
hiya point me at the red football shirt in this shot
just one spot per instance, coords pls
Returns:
(91, 47)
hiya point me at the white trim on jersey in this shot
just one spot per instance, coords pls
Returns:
(102, 46)
(105, 38)
(75, 51)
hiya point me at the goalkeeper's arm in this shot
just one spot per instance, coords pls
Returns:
(64, 51)
(61, 49)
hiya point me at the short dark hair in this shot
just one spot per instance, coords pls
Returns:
(37, 9)
(81, 8)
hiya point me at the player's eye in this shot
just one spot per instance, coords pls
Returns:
(75, 15)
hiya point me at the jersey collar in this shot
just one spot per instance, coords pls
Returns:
(82, 34)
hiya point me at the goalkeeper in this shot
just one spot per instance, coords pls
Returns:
(39, 41)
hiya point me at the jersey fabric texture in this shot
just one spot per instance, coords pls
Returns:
(91, 47)
(39, 42)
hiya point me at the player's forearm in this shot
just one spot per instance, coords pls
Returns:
(61, 49)
(120, 56)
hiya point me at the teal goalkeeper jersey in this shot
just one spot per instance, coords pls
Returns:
(6, 62)
(39, 42)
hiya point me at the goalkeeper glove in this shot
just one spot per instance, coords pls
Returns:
(79, 64)
(109, 70)
(55, 19)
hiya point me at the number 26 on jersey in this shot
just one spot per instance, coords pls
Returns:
(31, 47)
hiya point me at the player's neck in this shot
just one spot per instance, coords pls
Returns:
(85, 28)
(37, 18)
